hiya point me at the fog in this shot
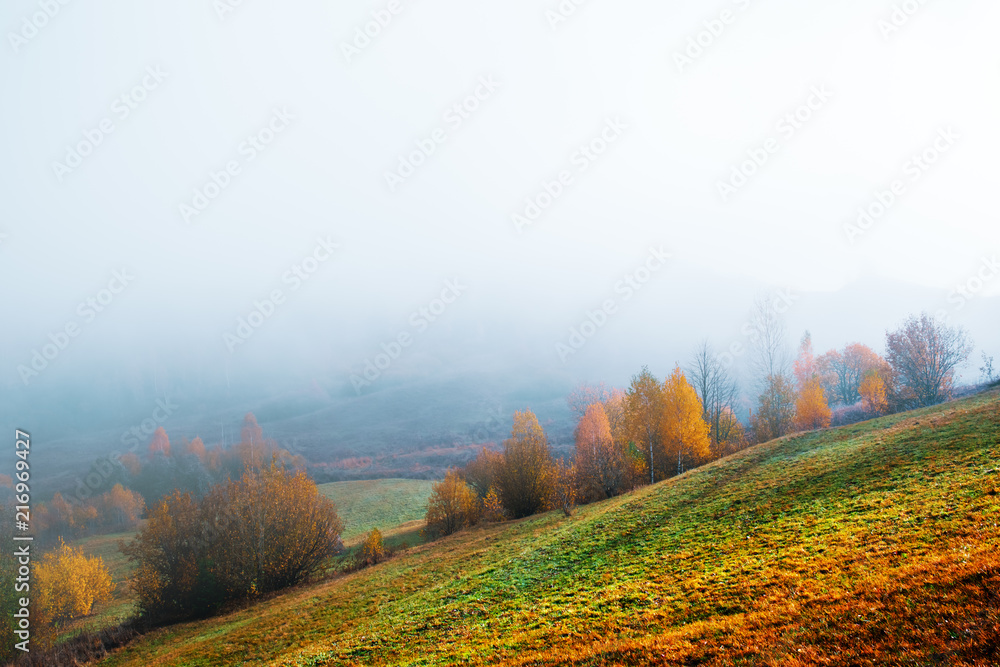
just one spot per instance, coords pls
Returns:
(195, 202)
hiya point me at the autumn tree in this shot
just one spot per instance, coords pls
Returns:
(196, 448)
(614, 409)
(274, 530)
(265, 531)
(643, 414)
(605, 468)
(683, 431)
(811, 409)
(480, 473)
(160, 444)
(524, 476)
(563, 494)
(925, 354)
(874, 394)
(718, 392)
(493, 510)
(775, 412)
(453, 505)
(171, 557)
(67, 584)
(842, 371)
(372, 548)
(735, 438)
(120, 508)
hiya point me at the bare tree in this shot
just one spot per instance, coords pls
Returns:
(925, 355)
(717, 390)
(769, 356)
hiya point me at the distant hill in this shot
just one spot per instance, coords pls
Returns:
(871, 544)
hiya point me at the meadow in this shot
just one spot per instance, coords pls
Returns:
(871, 544)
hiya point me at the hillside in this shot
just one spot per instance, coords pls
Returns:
(870, 544)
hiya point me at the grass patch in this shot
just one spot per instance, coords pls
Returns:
(377, 503)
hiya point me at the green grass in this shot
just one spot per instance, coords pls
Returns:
(380, 503)
(874, 544)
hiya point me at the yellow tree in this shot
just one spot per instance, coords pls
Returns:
(122, 508)
(874, 395)
(524, 477)
(683, 430)
(372, 548)
(811, 409)
(67, 584)
(453, 505)
(643, 414)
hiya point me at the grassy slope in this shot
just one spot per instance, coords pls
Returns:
(870, 544)
(381, 503)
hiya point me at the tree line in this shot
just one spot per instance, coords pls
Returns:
(656, 429)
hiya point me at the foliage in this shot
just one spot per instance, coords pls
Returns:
(524, 477)
(604, 466)
(874, 395)
(683, 431)
(775, 413)
(67, 584)
(718, 392)
(160, 444)
(266, 531)
(481, 472)
(564, 486)
(453, 505)
(811, 409)
(643, 414)
(842, 372)
(493, 510)
(372, 549)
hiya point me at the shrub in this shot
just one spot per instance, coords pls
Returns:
(492, 507)
(68, 584)
(268, 530)
(453, 505)
(372, 549)
(524, 475)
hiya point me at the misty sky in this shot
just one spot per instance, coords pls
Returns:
(308, 119)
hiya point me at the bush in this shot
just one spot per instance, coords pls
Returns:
(524, 475)
(268, 530)
(68, 584)
(372, 549)
(453, 505)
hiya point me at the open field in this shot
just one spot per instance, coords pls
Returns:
(870, 544)
(379, 503)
